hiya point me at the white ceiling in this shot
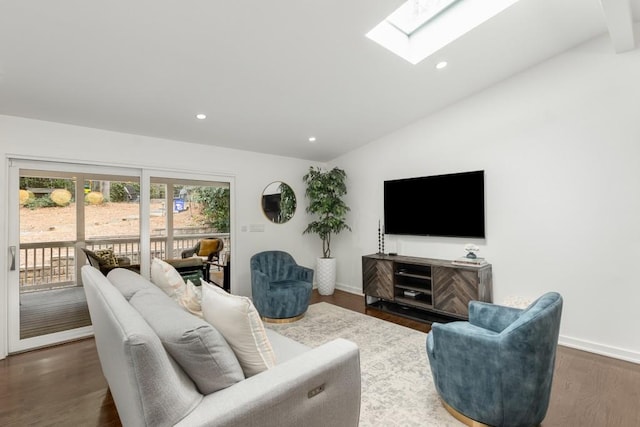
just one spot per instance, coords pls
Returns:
(268, 74)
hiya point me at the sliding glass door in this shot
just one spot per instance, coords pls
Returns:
(60, 211)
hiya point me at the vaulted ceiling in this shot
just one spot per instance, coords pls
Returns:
(268, 74)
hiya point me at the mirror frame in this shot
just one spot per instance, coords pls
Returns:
(278, 202)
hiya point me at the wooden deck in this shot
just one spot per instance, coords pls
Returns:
(46, 312)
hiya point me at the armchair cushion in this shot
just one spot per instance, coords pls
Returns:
(207, 246)
(106, 257)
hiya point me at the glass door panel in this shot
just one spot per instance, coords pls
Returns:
(50, 299)
(112, 218)
(196, 210)
(56, 210)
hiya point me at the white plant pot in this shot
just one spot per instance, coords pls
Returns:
(326, 275)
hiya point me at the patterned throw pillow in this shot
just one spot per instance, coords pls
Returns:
(106, 257)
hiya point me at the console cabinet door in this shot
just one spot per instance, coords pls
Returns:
(377, 278)
(453, 288)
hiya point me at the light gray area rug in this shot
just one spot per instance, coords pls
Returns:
(397, 387)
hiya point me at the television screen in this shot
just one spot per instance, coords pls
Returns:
(441, 205)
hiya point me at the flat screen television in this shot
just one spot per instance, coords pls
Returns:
(449, 205)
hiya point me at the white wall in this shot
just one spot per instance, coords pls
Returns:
(252, 172)
(560, 146)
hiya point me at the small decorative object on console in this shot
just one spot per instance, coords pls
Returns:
(471, 250)
(380, 238)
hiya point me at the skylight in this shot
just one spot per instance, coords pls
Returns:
(415, 13)
(419, 28)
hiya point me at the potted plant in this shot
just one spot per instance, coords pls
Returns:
(325, 189)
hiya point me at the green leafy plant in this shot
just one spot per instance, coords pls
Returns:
(287, 202)
(325, 189)
(215, 206)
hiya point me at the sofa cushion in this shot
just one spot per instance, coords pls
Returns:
(128, 282)
(198, 347)
(239, 322)
(167, 278)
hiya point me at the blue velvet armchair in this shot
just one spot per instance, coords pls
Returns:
(497, 368)
(281, 288)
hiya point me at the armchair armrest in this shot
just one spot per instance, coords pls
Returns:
(300, 272)
(318, 388)
(188, 253)
(123, 260)
(492, 316)
(259, 284)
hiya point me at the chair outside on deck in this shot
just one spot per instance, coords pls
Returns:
(209, 250)
(105, 260)
(497, 368)
(281, 288)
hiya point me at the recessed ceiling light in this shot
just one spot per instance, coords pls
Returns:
(440, 65)
(312, 139)
(201, 116)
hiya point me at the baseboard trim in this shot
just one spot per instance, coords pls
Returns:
(601, 349)
(350, 289)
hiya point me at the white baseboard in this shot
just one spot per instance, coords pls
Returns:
(350, 289)
(603, 350)
(342, 287)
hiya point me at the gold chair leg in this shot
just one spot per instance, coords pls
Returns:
(462, 418)
(285, 320)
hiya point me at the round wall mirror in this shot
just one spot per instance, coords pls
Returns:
(278, 202)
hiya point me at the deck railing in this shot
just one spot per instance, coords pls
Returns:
(49, 265)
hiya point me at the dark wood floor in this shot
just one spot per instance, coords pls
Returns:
(64, 386)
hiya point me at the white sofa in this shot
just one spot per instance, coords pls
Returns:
(307, 387)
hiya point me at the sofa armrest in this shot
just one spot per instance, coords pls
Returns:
(492, 316)
(316, 389)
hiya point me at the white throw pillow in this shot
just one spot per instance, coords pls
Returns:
(167, 278)
(191, 299)
(236, 318)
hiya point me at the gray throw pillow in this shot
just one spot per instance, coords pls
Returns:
(193, 343)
